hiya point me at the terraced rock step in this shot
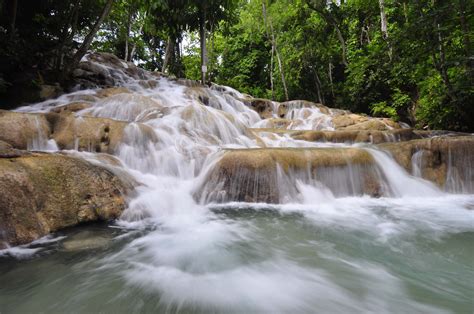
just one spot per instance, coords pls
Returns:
(272, 175)
(447, 161)
(343, 136)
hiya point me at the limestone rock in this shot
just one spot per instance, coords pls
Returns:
(42, 193)
(356, 136)
(263, 107)
(271, 174)
(446, 161)
(88, 133)
(21, 129)
(72, 107)
(285, 107)
(107, 92)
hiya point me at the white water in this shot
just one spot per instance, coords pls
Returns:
(348, 252)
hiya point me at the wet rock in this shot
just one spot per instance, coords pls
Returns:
(355, 136)
(270, 175)
(21, 129)
(72, 107)
(7, 151)
(263, 107)
(42, 193)
(86, 240)
(49, 91)
(354, 122)
(287, 106)
(88, 133)
(446, 161)
(105, 70)
(107, 92)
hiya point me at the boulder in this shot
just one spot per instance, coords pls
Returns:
(447, 161)
(41, 193)
(87, 133)
(21, 130)
(271, 174)
(263, 107)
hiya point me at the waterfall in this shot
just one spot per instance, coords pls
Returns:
(399, 181)
(235, 213)
(39, 141)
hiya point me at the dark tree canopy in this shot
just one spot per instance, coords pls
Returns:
(409, 60)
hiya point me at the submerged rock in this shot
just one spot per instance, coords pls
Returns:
(447, 161)
(271, 175)
(42, 193)
(86, 240)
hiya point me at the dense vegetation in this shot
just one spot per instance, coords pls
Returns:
(409, 60)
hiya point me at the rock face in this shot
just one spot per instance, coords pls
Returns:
(356, 136)
(271, 175)
(87, 133)
(105, 70)
(29, 131)
(42, 193)
(21, 129)
(446, 161)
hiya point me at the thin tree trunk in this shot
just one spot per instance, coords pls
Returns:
(271, 73)
(13, 19)
(168, 52)
(405, 12)
(273, 50)
(384, 27)
(134, 47)
(318, 87)
(330, 80)
(88, 40)
(127, 34)
(66, 36)
(202, 32)
(383, 19)
(275, 47)
(466, 39)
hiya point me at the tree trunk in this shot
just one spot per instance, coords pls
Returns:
(271, 73)
(330, 67)
(202, 32)
(88, 40)
(127, 34)
(168, 52)
(14, 10)
(275, 48)
(67, 36)
(318, 87)
(331, 21)
(383, 19)
(466, 39)
(384, 27)
(134, 47)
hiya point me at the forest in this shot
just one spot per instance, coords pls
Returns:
(411, 61)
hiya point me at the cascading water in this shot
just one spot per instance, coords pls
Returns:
(190, 240)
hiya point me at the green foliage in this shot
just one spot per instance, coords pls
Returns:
(420, 71)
